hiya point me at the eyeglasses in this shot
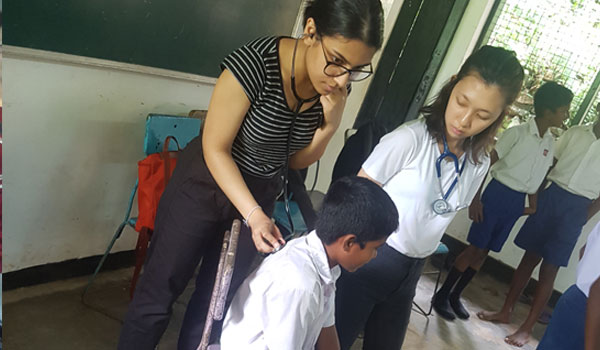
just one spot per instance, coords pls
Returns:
(333, 69)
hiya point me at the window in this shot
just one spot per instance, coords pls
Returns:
(554, 40)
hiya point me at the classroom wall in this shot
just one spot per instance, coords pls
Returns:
(74, 133)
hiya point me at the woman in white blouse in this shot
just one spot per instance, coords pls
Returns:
(431, 168)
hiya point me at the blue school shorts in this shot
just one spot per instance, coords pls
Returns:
(555, 227)
(502, 207)
(567, 325)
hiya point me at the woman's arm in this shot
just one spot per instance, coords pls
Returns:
(333, 108)
(226, 112)
(476, 207)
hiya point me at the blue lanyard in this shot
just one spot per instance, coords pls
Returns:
(438, 168)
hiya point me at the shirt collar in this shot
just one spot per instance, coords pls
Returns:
(318, 255)
(533, 128)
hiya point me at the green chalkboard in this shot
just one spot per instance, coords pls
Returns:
(191, 36)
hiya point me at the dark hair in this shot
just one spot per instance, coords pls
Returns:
(496, 66)
(355, 205)
(551, 96)
(352, 19)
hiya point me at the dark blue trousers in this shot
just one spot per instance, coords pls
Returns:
(377, 299)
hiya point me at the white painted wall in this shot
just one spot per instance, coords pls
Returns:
(73, 135)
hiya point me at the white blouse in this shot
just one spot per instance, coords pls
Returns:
(404, 162)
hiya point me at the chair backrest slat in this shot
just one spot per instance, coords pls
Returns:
(159, 126)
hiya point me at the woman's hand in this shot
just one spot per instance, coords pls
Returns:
(265, 234)
(333, 107)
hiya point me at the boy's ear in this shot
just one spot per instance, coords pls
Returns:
(348, 241)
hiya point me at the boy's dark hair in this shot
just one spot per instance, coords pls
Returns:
(358, 206)
(352, 19)
(496, 66)
(551, 96)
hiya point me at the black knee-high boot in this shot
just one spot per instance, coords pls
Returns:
(441, 303)
(454, 298)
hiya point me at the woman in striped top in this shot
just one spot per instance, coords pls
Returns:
(270, 90)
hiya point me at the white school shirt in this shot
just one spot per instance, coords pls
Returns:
(588, 269)
(404, 163)
(286, 302)
(578, 166)
(523, 157)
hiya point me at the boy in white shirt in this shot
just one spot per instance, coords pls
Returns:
(549, 235)
(520, 161)
(288, 302)
(575, 323)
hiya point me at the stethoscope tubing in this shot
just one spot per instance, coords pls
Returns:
(458, 169)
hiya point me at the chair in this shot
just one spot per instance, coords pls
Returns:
(158, 127)
(441, 249)
(222, 283)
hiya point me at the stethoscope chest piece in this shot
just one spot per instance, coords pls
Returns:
(440, 206)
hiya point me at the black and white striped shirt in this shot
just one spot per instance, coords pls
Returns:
(260, 145)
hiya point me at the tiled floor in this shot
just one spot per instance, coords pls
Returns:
(52, 316)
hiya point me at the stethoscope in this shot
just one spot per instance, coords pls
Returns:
(441, 206)
(301, 102)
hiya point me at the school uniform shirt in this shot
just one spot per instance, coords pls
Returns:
(523, 157)
(588, 270)
(578, 166)
(404, 163)
(286, 302)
